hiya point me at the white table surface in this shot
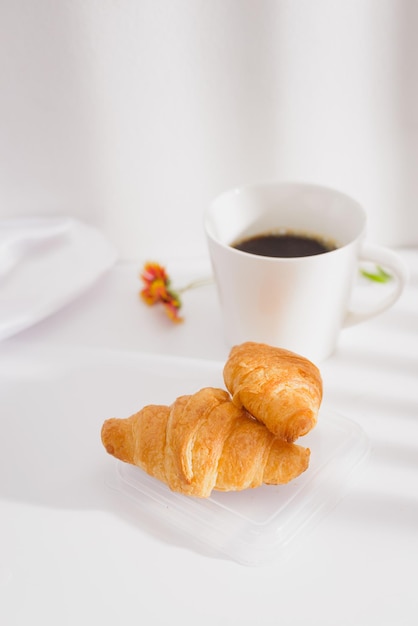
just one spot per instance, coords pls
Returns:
(71, 552)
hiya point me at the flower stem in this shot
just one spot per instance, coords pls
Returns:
(202, 282)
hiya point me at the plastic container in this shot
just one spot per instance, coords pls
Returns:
(254, 526)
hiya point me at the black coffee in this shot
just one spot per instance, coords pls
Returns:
(284, 245)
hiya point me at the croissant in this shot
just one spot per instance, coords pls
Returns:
(279, 388)
(203, 442)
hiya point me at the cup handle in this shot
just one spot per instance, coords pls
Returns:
(394, 264)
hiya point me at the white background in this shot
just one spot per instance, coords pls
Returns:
(134, 114)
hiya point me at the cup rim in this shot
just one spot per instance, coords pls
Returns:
(259, 186)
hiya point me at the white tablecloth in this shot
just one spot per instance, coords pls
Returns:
(73, 551)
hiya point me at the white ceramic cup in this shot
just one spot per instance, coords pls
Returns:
(301, 303)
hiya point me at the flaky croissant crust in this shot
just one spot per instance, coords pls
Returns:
(203, 442)
(209, 440)
(281, 389)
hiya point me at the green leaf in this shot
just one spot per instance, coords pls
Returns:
(379, 276)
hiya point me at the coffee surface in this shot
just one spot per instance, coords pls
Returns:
(285, 245)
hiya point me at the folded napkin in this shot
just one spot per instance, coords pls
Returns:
(44, 264)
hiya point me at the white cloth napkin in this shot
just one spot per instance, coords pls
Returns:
(44, 264)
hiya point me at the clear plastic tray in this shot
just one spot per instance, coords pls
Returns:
(255, 526)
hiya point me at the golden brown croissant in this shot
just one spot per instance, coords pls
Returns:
(279, 388)
(203, 442)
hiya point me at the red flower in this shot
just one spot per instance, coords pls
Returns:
(157, 290)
